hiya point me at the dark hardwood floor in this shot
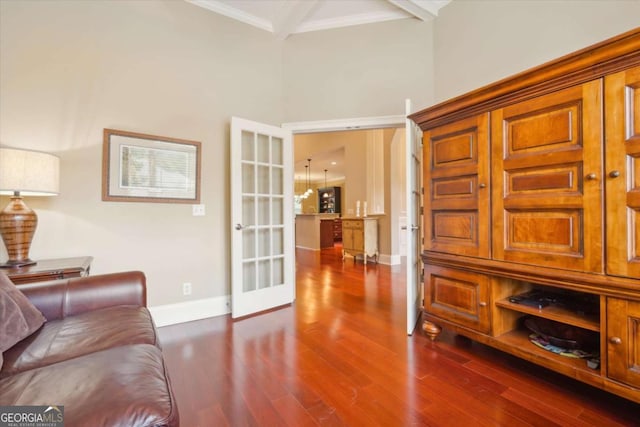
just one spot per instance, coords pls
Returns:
(340, 356)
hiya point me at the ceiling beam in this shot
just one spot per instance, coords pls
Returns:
(290, 16)
(233, 13)
(424, 10)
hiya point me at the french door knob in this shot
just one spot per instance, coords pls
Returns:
(239, 226)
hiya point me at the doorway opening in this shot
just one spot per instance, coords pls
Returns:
(357, 162)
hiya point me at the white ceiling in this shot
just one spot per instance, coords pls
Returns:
(286, 17)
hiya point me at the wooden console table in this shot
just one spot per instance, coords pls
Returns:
(50, 269)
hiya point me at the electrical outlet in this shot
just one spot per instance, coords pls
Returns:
(198, 210)
(186, 289)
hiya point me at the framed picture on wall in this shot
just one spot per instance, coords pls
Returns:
(138, 167)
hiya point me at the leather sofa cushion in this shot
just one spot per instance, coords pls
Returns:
(121, 386)
(74, 336)
(18, 316)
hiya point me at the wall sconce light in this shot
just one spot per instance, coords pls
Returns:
(24, 173)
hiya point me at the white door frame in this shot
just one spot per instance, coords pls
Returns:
(397, 121)
(346, 124)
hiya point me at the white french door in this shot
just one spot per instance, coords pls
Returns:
(262, 256)
(414, 202)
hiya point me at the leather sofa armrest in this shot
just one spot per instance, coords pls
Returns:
(57, 299)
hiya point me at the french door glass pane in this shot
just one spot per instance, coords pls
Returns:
(264, 274)
(264, 243)
(263, 148)
(248, 178)
(248, 211)
(248, 243)
(249, 276)
(277, 186)
(263, 179)
(248, 151)
(263, 211)
(276, 151)
(276, 211)
(278, 271)
(278, 241)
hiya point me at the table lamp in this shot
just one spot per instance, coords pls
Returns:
(24, 173)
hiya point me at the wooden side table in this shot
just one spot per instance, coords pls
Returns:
(50, 269)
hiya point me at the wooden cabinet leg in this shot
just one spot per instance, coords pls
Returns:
(431, 329)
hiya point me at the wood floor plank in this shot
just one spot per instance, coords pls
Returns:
(543, 394)
(340, 356)
(551, 413)
(293, 413)
(483, 405)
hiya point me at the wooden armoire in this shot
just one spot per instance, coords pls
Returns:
(533, 184)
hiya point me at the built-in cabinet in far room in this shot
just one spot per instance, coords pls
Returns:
(533, 185)
(329, 200)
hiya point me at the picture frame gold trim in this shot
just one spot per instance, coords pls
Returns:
(138, 167)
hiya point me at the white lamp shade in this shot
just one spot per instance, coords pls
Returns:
(32, 173)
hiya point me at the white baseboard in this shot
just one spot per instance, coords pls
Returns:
(306, 248)
(390, 259)
(171, 314)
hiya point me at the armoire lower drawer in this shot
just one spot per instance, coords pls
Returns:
(458, 296)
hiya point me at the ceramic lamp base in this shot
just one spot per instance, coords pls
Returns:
(17, 226)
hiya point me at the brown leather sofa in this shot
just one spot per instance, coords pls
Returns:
(97, 354)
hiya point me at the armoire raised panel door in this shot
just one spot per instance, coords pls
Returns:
(622, 173)
(456, 177)
(623, 341)
(458, 296)
(548, 180)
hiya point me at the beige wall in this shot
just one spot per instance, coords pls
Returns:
(479, 42)
(68, 69)
(361, 71)
(71, 68)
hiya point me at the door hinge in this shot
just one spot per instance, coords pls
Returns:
(421, 210)
(422, 190)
